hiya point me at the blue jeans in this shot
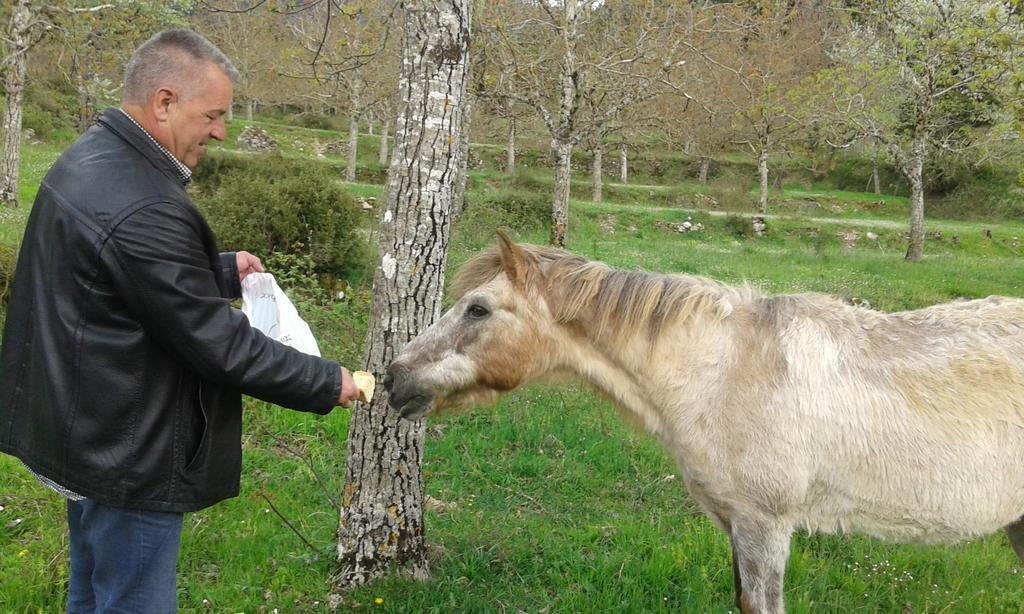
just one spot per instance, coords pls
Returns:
(122, 560)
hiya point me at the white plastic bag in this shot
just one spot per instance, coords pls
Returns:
(270, 311)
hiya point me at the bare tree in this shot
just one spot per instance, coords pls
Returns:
(613, 52)
(12, 74)
(381, 520)
(496, 93)
(348, 44)
(761, 51)
(924, 76)
(97, 40)
(250, 36)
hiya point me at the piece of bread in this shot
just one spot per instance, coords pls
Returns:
(364, 382)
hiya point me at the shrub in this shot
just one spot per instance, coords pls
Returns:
(314, 120)
(265, 204)
(504, 209)
(372, 173)
(737, 226)
(48, 109)
(8, 261)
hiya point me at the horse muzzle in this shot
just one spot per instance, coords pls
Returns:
(411, 401)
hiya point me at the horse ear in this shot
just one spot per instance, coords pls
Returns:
(513, 260)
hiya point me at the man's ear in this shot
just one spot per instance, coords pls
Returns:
(513, 260)
(161, 102)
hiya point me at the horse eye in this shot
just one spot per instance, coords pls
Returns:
(477, 311)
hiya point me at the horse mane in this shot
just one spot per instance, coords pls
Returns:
(606, 299)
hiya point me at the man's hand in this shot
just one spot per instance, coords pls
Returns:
(349, 392)
(247, 263)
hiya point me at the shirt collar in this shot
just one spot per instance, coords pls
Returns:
(184, 172)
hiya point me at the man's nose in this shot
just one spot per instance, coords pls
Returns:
(219, 131)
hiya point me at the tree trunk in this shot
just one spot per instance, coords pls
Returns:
(81, 85)
(915, 174)
(560, 206)
(382, 153)
(705, 164)
(762, 169)
(562, 134)
(381, 521)
(353, 133)
(353, 146)
(510, 147)
(231, 112)
(623, 165)
(14, 85)
(249, 104)
(874, 171)
(461, 180)
(596, 194)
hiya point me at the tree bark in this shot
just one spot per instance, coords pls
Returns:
(85, 105)
(762, 169)
(915, 174)
(561, 141)
(596, 192)
(560, 207)
(874, 171)
(353, 146)
(249, 104)
(355, 116)
(462, 178)
(14, 86)
(381, 521)
(705, 164)
(382, 153)
(510, 147)
(623, 165)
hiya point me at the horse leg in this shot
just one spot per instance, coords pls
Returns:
(760, 553)
(1015, 531)
(737, 582)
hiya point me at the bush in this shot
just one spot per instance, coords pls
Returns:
(737, 226)
(265, 204)
(985, 199)
(316, 121)
(372, 173)
(504, 209)
(48, 109)
(8, 262)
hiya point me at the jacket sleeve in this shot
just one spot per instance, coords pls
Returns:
(229, 270)
(160, 266)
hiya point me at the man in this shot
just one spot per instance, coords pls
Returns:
(123, 361)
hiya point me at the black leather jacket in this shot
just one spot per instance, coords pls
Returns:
(123, 361)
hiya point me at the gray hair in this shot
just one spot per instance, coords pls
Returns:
(171, 57)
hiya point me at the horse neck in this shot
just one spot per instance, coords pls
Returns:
(629, 363)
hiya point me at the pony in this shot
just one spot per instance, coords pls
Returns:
(788, 412)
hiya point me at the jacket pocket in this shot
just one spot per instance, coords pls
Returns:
(200, 431)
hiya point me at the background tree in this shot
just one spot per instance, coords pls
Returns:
(97, 40)
(348, 43)
(24, 20)
(494, 87)
(252, 36)
(381, 520)
(762, 50)
(611, 52)
(921, 77)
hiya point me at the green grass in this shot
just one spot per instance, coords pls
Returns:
(558, 506)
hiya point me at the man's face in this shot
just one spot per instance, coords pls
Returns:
(198, 116)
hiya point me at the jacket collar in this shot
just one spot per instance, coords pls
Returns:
(122, 125)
